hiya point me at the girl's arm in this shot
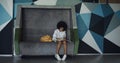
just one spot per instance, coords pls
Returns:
(54, 36)
(65, 36)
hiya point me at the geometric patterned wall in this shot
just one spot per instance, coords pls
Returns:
(98, 27)
(6, 26)
(6, 13)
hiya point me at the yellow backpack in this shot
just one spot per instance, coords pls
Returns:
(46, 38)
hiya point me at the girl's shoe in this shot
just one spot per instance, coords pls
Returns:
(64, 57)
(57, 57)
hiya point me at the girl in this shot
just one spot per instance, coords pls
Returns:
(59, 36)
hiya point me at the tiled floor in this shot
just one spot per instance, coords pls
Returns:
(70, 59)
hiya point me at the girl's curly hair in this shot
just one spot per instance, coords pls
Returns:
(62, 24)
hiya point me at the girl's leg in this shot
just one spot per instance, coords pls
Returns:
(65, 50)
(58, 47)
(65, 47)
(57, 51)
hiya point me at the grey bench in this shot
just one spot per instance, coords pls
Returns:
(35, 21)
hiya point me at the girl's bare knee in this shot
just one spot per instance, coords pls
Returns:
(64, 42)
(59, 43)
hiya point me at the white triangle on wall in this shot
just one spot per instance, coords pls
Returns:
(89, 40)
(84, 9)
(114, 36)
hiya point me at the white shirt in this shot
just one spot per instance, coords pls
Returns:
(58, 34)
